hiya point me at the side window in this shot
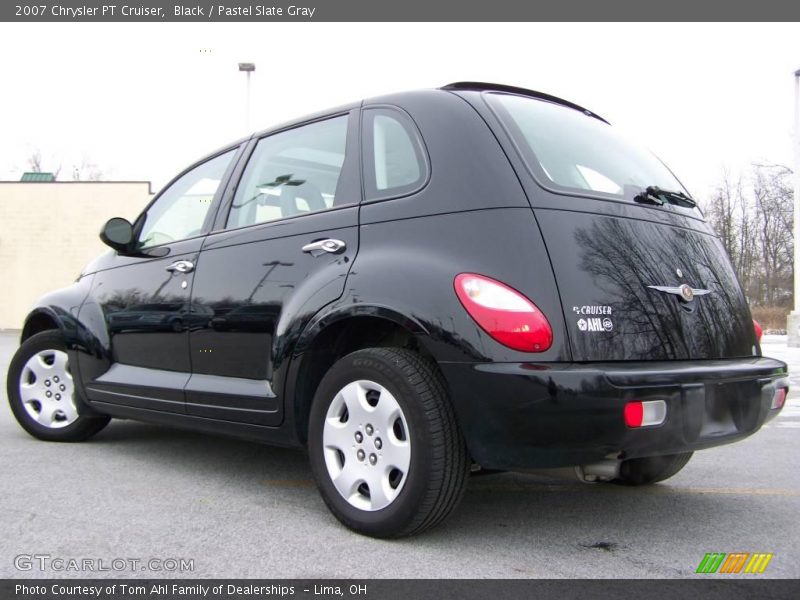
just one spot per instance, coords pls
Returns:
(181, 209)
(393, 154)
(291, 173)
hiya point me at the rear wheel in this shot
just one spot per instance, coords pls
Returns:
(42, 393)
(651, 469)
(384, 445)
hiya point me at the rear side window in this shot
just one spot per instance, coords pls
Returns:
(568, 150)
(292, 173)
(394, 160)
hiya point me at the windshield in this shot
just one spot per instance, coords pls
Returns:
(576, 152)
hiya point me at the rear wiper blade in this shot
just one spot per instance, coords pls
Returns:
(653, 194)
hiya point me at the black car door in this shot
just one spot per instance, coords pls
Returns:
(144, 299)
(284, 244)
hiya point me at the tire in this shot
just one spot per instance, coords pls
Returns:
(652, 469)
(42, 394)
(390, 404)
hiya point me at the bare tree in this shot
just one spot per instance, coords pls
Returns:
(86, 171)
(774, 217)
(35, 164)
(753, 218)
(35, 161)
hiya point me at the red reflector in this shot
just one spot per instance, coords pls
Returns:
(759, 330)
(634, 411)
(505, 314)
(779, 399)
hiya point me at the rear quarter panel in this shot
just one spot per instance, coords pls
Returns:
(472, 216)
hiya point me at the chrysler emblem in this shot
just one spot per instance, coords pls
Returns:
(684, 292)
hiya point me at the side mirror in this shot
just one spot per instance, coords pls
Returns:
(118, 234)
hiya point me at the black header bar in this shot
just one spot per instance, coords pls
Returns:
(402, 10)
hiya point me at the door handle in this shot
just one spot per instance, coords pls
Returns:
(181, 266)
(329, 245)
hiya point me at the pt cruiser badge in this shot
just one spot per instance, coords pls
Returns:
(685, 292)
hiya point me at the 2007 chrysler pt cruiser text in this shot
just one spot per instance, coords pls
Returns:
(414, 286)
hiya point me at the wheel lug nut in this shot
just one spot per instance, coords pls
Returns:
(359, 437)
(378, 443)
(48, 393)
(47, 382)
(58, 396)
(55, 378)
(62, 387)
(360, 454)
(373, 459)
(368, 429)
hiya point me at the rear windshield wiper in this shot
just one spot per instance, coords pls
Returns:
(655, 195)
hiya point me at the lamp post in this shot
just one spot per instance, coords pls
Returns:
(247, 68)
(793, 322)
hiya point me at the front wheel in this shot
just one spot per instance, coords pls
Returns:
(384, 445)
(41, 392)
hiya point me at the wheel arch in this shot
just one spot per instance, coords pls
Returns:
(337, 334)
(40, 319)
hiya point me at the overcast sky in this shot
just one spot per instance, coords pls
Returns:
(142, 101)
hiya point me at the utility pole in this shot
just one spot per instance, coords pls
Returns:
(247, 68)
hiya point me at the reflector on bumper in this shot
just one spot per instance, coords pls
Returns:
(779, 398)
(645, 414)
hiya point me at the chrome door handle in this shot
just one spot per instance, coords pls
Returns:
(181, 266)
(329, 245)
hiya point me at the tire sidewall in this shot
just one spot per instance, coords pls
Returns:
(354, 367)
(653, 469)
(47, 340)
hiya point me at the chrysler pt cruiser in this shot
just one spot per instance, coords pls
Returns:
(414, 287)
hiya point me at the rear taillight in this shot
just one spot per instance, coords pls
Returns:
(759, 331)
(505, 314)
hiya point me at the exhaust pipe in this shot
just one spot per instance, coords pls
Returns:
(602, 471)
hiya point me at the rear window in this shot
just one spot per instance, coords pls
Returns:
(571, 151)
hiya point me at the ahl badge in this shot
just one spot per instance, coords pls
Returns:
(590, 323)
(595, 324)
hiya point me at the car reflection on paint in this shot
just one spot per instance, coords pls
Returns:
(252, 317)
(160, 316)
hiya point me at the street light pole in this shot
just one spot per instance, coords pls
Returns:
(793, 322)
(247, 68)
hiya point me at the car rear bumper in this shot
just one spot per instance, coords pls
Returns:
(533, 415)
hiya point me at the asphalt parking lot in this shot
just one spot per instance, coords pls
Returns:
(240, 509)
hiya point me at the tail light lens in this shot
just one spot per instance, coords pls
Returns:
(633, 413)
(644, 414)
(779, 398)
(759, 331)
(505, 314)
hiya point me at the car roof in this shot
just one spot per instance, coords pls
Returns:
(459, 86)
(311, 117)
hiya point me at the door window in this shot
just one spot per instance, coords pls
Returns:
(181, 210)
(292, 173)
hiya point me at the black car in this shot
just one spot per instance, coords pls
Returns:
(414, 287)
